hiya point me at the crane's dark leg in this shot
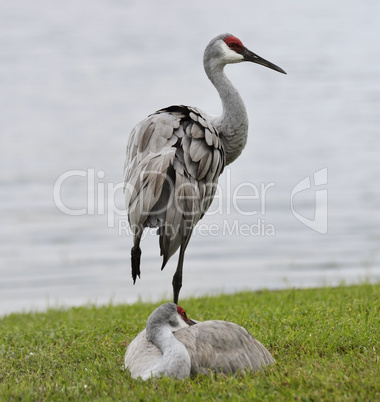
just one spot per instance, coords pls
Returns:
(136, 254)
(177, 278)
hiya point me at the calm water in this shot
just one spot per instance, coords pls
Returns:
(75, 78)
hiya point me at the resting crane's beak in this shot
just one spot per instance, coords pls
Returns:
(191, 322)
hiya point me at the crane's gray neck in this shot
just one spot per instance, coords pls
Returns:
(233, 123)
(175, 360)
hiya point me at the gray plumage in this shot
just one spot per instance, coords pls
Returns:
(175, 156)
(219, 346)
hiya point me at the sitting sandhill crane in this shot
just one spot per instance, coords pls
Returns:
(175, 156)
(172, 345)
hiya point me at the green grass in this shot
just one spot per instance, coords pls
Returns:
(326, 343)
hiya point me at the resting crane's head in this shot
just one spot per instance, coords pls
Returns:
(167, 315)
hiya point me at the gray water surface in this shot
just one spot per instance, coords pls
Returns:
(75, 77)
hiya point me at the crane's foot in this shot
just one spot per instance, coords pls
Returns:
(135, 262)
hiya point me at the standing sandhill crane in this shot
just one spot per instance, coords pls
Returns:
(175, 156)
(170, 347)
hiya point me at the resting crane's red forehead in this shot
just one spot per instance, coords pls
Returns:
(233, 39)
(180, 310)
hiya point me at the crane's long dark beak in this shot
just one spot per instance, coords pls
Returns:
(254, 58)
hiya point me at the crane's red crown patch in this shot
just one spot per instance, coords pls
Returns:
(233, 41)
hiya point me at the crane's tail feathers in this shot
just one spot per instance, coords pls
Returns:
(164, 262)
(163, 251)
(135, 261)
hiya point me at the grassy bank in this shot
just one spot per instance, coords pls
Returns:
(326, 342)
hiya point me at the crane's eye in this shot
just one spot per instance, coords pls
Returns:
(232, 45)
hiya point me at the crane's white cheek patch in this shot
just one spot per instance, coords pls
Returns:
(181, 323)
(230, 56)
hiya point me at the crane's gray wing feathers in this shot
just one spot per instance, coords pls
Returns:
(145, 186)
(223, 347)
(173, 161)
